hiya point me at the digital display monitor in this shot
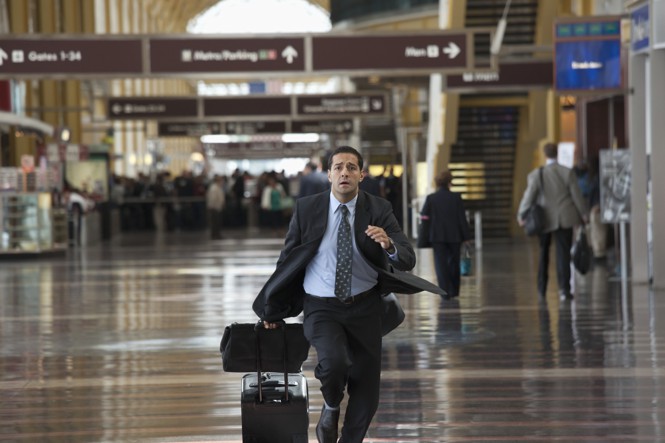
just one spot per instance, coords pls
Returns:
(588, 65)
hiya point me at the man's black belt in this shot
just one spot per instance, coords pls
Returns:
(349, 300)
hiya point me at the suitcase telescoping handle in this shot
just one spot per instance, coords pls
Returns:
(282, 326)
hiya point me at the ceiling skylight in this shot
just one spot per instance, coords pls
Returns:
(261, 17)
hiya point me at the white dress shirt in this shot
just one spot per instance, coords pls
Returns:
(320, 273)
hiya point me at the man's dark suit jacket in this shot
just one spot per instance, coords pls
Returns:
(447, 218)
(283, 294)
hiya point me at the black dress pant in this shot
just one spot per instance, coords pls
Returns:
(447, 266)
(563, 238)
(347, 340)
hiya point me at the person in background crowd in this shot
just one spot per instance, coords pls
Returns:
(77, 204)
(271, 201)
(582, 172)
(370, 183)
(312, 180)
(449, 228)
(283, 180)
(198, 204)
(598, 229)
(391, 185)
(238, 192)
(215, 200)
(564, 208)
(184, 190)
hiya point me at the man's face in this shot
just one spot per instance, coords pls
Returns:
(344, 175)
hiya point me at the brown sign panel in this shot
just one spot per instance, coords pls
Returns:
(529, 74)
(70, 56)
(151, 107)
(242, 128)
(187, 129)
(219, 55)
(244, 106)
(338, 104)
(343, 126)
(436, 51)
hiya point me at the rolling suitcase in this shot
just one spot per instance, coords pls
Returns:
(274, 408)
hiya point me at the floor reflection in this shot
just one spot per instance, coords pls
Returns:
(119, 342)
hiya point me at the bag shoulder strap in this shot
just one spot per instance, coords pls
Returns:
(541, 190)
(542, 182)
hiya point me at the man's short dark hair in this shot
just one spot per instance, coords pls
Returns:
(551, 150)
(346, 150)
(444, 179)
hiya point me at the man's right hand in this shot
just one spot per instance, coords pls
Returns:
(269, 325)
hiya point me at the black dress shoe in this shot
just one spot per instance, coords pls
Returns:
(326, 430)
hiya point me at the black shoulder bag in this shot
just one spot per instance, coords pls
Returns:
(246, 347)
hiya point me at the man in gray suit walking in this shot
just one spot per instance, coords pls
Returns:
(565, 208)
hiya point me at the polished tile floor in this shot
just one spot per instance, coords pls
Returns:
(119, 343)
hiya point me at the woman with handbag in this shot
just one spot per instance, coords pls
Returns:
(449, 228)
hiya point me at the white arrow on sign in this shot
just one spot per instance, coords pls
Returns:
(289, 53)
(117, 108)
(452, 50)
(3, 56)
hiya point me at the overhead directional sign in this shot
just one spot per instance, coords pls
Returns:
(198, 128)
(49, 55)
(411, 52)
(341, 104)
(187, 129)
(252, 105)
(367, 104)
(139, 108)
(44, 56)
(528, 75)
(181, 55)
(342, 126)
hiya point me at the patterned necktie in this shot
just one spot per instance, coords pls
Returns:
(344, 257)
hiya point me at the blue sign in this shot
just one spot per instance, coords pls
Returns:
(640, 29)
(588, 65)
